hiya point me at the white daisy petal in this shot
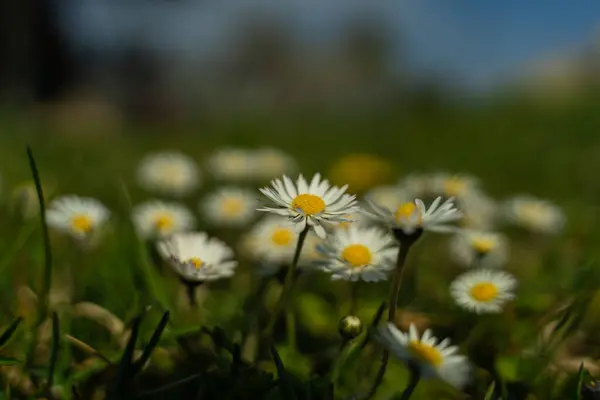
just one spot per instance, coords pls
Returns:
(80, 217)
(158, 219)
(171, 173)
(483, 290)
(230, 206)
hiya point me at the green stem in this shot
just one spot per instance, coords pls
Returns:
(287, 285)
(290, 320)
(394, 293)
(415, 377)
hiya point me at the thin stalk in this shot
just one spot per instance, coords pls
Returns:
(290, 320)
(394, 293)
(415, 378)
(287, 285)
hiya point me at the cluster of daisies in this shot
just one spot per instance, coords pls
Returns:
(350, 239)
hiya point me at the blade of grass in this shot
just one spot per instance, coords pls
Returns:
(124, 366)
(8, 333)
(284, 381)
(139, 364)
(169, 386)
(53, 351)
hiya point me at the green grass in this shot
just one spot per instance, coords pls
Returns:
(514, 149)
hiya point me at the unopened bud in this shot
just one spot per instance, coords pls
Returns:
(350, 327)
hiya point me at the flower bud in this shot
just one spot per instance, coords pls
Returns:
(350, 327)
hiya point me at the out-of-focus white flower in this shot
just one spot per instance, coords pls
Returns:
(273, 240)
(230, 164)
(479, 211)
(417, 185)
(309, 205)
(434, 359)
(158, 219)
(170, 173)
(453, 185)
(198, 258)
(478, 248)
(535, 214)
(483, 290)
(359, 253)
(80, 217)
(230, 206)
(269, 163)
(389, 196)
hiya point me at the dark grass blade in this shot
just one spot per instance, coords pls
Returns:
(54, 350)
(579, 385)
(121, 376)
(153, 392)
(9, 361)
(8, 333)
(139, 364)
(285, 384)
(46, 238)
(75, 393)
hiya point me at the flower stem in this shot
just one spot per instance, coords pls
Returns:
(394, 293)
(415, 377)
(287, 285)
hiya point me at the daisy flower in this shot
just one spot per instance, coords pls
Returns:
(77, 216)
(196, 257)
(273, 240)
(434, 359)
(417, 185)
(453, 185)
(535, 214)
(229, 206)
(231, 164)
(413, 216)
(309, 205)
(389, 196)
(155, 219)
(169, 173)
(480, 211)
(359, 253)
(479, 248)
(269, 163)
(483, 290)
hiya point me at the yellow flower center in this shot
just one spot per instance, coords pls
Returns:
(309, 204)
(232, 207)
(82, 223)
(484, 291)
(282, 236)
(196, 262)
(425, 353)
(357, 255)
(483, 246)
(163, 222)
(406, 211)
(454, 186)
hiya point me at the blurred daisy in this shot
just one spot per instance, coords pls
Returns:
(169, 173)
(229, 206)
(231, 164)
(414, 216)
(196, 257)
(433, 359)
(453, 185)
(269, 163)
(361, 171)
(24, 200)
(535, 214)
(417, 185)
(310, 205)
(479, 248)
(359, 253)
(155, 219)
(79, 217)
(480, 211)
(273, 240)
(483, 290)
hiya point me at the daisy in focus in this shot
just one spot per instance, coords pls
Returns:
(535, 215)
(359, 253)
(433, 359)
(479, 248)
(413, 216)
(158, 219)
(79, 217)
(483, 290)
(453, 185)
(229, 206)
(196, 257)
(309, 205)
(230, 164)
(169, 173)
(269, 163)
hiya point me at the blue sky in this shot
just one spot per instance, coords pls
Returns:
(478, 41)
